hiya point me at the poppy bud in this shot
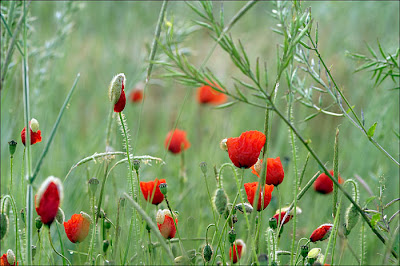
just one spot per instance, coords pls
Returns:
(93, 184)
(48, 199)
(38, 223)
(232, 235)
(351, 219)
(163, 188)
(238, 246)
(273, 223)
(222, 145)
(3, 225)
(207, 253)
(321, 233)
(245, 207)
(10, 257)
(34, 125)
(77, 228)
(106, 244)
(116, 92)
(148, 227)
(107, 224)
(60, 217)
(12, 145)
(313, 254)
(35, 133)
(136, 165)
(304, 250)
(220, 200)
(203, 167)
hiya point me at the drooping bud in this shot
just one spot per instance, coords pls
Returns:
(232, 235)
(10, 257)
(321, 233)
(38, 223)
(203, 167)
(136, 165)
(34, 125)
(60, 217)
(3, 225)
(12, 145)
(93, 184)
(163, 188)
(222, 145)
(351, 219)
(245, 207)
(220, 200)
(207, 253)
(273, 223)
(106, 244)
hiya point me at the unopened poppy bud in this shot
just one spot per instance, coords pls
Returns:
(207, 253)
(232, 235)
(321, 233)
(136, 165)
(203, 167)
(115, 89)
(38, 223)
(304, 250)
(313, 254)
(163, 188)
(10, 257)
(60, 217)
(33, 247)
(222, 145)
(106, 244)
(107, 224)
(12, 145)
(351, 219)
(220, 200)
(93, 184)
(273, 223)
(3, 225)
(34, 125)
(245, 207)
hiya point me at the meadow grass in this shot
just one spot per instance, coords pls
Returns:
(101, 39)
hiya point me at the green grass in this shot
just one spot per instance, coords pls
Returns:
(108, 38)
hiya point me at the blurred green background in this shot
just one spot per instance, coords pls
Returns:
(101, 39)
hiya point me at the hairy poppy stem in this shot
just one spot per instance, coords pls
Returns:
(13, 206)
(58, 253)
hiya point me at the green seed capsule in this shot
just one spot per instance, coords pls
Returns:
(38, 223)
(232, 235)
(106, 244)
(163, 188)
(12, 145)
(351, 219)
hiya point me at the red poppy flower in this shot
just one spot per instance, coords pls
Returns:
(48, 199)
(116, 92)
(323, 184)
(244, 150)
(147, 189)
(177, 140)
(166, 224)
(207, 95)
(275, 173)
(251, 189)
(241, 249)
(8, 259)
(77, 228)
(321, 233)
(36, 134)
(136, 95)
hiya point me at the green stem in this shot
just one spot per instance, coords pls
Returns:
(11, 173)
(11, 199)
(58, 253)
(335, 171)
(333, 235)
(295, 195)
(61, 244)
(176, 226)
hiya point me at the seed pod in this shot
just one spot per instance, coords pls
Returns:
(351, 219)
(38, 223)
(60, 217)
(207, 253)
(106, 244)
(12, 145)
(93, 184)
(107, 224)
(232, 235)
(33, 247)
(220, 200)
(3, 225)
(304, 251)
(273, 223)
(203, 167)
(163, 188)
(136, 165)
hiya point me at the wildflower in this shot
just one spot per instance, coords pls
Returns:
(177, 141)
(207, 95)
(8, 258)
(48, 199)
(239, 248)
(116, 92)
(136, 95)
(35, 132)
(148, 188)
(77, 228)
(283, 213)
(324, 184)
(244, 150)
(251, 189)
(166, 224)
(321, 233)
(275, 173)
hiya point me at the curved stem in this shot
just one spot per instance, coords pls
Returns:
(58, 253)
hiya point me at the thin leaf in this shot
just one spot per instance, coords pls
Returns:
(381, 50)
(225, 105)
(371, 130)
(371, 51)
